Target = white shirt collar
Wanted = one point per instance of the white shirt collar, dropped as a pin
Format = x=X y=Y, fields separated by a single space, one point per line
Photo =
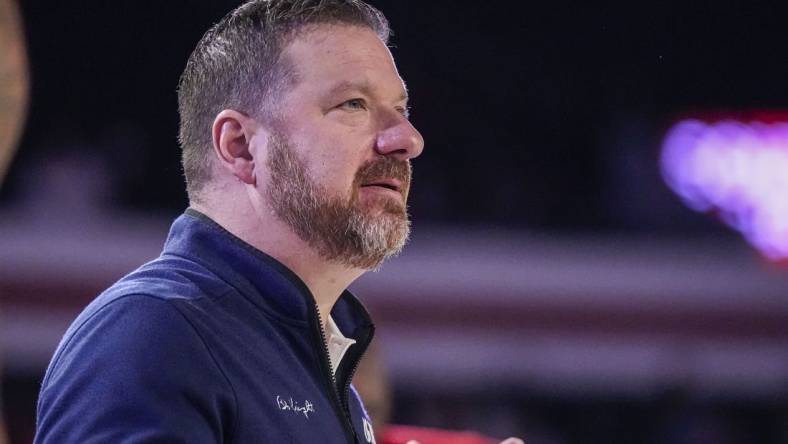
x=337 y=343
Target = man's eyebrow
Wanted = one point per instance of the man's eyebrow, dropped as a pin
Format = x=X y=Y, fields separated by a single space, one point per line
x=363 y=87
x=348 y=85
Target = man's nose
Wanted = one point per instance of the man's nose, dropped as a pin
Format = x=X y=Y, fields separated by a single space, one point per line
x=400 y=139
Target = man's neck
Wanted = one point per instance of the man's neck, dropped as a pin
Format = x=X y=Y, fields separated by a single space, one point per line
x=326 y=280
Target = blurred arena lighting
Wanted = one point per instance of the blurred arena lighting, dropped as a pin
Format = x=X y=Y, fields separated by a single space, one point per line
x=736 y=167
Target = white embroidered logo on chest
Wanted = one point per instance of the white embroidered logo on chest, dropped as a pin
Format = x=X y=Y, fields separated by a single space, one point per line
x=293 y=406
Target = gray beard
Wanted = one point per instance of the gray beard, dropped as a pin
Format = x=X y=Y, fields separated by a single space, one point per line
x=340 y=230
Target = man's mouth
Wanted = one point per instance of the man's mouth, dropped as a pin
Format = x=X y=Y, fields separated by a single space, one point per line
x=389 y=183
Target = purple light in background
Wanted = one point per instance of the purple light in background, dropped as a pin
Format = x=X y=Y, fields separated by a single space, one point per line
x=738 y=169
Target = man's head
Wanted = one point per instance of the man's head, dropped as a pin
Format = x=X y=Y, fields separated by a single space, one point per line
x=301 y=105
x=238 y=65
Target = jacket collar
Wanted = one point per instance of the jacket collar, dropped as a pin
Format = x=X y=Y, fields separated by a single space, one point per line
x=268 y=283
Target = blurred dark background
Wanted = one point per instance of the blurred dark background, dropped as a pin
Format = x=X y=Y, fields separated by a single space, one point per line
x=543 y=116
x=543 y=123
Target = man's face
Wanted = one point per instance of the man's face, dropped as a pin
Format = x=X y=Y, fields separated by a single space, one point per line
x=339 y=155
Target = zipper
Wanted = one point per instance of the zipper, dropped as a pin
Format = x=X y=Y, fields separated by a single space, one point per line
x=356 y=362
x=341 y=408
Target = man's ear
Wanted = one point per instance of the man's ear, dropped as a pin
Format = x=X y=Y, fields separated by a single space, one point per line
x=232 y=134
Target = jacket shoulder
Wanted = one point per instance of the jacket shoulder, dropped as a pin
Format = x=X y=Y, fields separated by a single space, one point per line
x=134 y=363
x=169 y=278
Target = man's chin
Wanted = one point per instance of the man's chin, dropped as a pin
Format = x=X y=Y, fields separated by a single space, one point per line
x=384 y=206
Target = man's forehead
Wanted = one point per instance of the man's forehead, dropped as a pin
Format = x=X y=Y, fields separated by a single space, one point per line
x=330 y=40
x=342 y=58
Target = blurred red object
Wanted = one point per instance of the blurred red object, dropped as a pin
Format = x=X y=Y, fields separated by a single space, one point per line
x=396 y=434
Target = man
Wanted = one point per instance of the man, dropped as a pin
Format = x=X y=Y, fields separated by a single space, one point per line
x=296 y=151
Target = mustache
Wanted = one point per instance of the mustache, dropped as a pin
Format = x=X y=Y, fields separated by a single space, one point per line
x=386 y=167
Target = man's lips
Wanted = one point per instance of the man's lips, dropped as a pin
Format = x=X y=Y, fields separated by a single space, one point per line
x=388 y=183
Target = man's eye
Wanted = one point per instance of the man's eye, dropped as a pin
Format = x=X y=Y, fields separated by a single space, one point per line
x=354 y=104
x=404 y=110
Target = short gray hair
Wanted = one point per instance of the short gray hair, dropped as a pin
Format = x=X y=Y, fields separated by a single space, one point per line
x=236 y=65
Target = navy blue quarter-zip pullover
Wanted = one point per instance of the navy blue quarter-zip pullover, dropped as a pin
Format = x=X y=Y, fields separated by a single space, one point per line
x=212 y=342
